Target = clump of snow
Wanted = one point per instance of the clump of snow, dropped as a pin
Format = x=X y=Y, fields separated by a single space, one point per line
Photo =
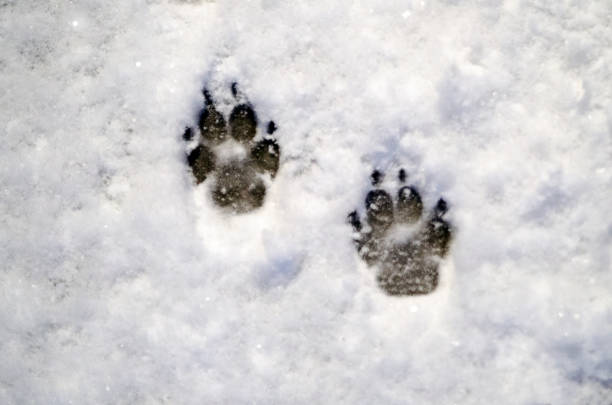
x=122 y=283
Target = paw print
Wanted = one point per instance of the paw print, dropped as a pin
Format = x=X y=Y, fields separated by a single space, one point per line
x=405 y=245
x=230 y=153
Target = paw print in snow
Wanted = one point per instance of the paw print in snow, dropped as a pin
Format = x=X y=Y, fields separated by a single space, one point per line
x=231 y=154
x=406 y=246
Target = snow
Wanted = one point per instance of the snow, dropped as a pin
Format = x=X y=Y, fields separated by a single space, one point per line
x=121 y=283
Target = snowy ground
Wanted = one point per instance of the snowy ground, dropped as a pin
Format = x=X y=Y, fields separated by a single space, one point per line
x=120 y=283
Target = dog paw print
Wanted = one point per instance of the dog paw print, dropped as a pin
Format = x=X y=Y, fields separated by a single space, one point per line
x=232 y=156
x=404 y=244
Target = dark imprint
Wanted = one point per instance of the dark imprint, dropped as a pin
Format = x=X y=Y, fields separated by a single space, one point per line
x=408 y=266
x=238 y=182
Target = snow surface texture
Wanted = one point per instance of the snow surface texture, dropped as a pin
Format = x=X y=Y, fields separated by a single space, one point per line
x=122 y=284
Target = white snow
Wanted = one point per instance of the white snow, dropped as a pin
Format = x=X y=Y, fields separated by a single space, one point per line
x=121 y=283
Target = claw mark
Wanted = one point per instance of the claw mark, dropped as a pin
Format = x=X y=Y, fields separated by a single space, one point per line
x=271 y=127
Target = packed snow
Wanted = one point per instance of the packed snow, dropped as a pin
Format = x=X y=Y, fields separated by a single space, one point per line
x=122 y=283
